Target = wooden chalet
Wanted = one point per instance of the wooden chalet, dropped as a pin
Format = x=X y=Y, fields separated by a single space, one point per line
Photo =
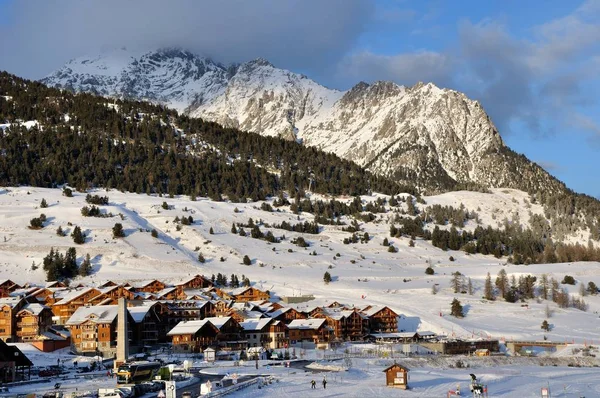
x=246 y=294
x=94 y=330
x=14 y=365
x=7 y=286
x=148 y=327
x=264 y=332
x=9 y=307
x=56 y=284
x=313 y=330
x=195 y=282
x=33 y=321
x=286 y=315
x=70 y=301
x=149 y=286
x=381 y=319
x=221 y=333
x=176 y=311
x=111 y=295
x=396 y=376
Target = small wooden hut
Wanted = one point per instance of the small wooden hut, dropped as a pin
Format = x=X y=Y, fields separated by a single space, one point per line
x=396 y=376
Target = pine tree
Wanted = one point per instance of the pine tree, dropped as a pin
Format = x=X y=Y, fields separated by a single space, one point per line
x=59 y=231
x=502 y=283
x=247 y=260
x=544 y=286
x=85 y=268
x=233 y=229
x=201 y=258
x=386 y=242
x=327 y=278
x=78 y=236
x=456 y=309
x=43 y=203
x=457 y=282
x=118 y=231
x=488 y=290
x=210 y=231
x=154 y=233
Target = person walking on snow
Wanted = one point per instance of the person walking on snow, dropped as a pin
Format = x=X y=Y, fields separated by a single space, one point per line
x=324 y=383
x=313 y=384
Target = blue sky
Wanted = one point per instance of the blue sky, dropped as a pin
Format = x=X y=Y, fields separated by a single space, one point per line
x=534 y=65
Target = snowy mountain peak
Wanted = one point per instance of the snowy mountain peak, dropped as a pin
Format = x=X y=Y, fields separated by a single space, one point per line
x=423 y=134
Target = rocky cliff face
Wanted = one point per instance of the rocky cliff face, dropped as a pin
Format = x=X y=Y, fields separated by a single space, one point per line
x=423 y=135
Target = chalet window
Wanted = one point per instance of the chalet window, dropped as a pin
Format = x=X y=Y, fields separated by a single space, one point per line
x=254 y=336
x=2 y=330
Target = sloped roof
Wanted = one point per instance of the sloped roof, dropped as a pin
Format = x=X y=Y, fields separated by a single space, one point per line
x=187 y=327
x=10 y=301
x=165 y=291
x=192 y=327
x=256 y=324
x=34 y=308
x=398 y=365
x=278 y=312
x=96 y=313
x=10 y=353
x=312 y=323
x=372 y=310
x=139 y=312
x=68 y=295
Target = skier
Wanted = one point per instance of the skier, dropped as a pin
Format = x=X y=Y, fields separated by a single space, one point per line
x=313 y=384
x=324 y=383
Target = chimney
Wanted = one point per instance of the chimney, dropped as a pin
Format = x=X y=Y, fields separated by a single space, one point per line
x=122 y=334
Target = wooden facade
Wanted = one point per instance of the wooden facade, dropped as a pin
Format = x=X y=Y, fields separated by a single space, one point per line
x=196 y=342
x=32 y=321
x=153 y=286
x=287 y=315
x=312 y=332
x=245 y=295
x=382 y=320
x=65 y=308
x=196 y=282
x=396 y=376
x=9 y=307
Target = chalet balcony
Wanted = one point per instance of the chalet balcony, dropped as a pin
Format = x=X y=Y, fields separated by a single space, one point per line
x=27 y=324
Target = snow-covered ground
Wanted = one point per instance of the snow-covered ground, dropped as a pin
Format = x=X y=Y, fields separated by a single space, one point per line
x=363 y=274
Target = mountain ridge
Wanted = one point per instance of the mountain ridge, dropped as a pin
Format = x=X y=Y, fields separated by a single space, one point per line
x=437 y=139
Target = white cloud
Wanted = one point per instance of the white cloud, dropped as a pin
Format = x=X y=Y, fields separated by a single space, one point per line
x=297 y=34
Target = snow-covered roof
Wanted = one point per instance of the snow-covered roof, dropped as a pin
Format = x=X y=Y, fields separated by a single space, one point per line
x=139 y=312
x=10 y=301
x=191 y=327
x=278 y=312
x=96 y=313
x=68 y=295
x=256 y=324
x=34 y=308
x=165 y=291
x=218 y=321
x=372 y=310
x=312 y=323
x=188 y=327
x=144 y=283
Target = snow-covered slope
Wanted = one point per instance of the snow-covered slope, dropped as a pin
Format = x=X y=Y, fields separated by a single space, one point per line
x=423 y=135
x=363 y=273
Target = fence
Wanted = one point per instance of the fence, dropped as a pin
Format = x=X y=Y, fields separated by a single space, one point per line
x=239 y=386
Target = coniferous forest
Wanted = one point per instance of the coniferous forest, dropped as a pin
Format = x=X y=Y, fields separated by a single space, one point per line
x=89 y=141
